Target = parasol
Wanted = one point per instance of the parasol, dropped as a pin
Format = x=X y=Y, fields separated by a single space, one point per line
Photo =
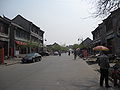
x=101 y=48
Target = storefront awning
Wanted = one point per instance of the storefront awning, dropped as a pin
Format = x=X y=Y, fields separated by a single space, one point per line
x=20 y=43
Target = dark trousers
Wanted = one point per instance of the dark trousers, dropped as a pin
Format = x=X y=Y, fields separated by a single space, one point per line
x=104 y=76
x=75 y=56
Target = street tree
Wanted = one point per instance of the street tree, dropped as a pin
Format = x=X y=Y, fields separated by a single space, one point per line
x=57 y=47
x=75 y=46
x=105 y=7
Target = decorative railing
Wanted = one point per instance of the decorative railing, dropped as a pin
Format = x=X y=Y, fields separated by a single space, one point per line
x=3 y=34
x=21 y=39
x=36 y=35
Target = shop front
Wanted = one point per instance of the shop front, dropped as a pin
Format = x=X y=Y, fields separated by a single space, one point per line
x=3 y=50
x=20 y=48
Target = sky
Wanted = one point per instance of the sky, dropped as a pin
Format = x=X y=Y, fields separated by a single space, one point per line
x=63 y=21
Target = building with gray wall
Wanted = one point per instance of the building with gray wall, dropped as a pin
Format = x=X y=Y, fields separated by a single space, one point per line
x=20 y=36
x=108 y=33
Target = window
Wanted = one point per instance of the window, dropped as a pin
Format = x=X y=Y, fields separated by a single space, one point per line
x=3 y=28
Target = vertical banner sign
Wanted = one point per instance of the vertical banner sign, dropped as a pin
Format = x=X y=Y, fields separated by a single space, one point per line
x=2 y=55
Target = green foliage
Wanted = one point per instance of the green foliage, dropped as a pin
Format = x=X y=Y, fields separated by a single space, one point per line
x=75 y=46
x=33 y=44
x=82 y=46
x=63 y=48
x=57 y=47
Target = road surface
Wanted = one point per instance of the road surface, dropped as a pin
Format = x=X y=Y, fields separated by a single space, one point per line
x=52 y=73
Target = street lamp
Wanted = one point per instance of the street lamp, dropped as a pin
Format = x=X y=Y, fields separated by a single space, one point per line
x=80 y=40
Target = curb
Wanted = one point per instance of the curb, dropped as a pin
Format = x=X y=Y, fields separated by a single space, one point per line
x=8 y=64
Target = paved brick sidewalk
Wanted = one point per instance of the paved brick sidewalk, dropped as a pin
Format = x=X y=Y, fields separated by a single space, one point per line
x=14 y=60
x=11 y=61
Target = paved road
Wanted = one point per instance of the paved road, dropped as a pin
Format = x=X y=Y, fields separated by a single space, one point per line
x=52 y=73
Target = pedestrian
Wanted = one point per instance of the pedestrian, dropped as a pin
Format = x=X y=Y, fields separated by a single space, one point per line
x=59 y=52
x=103 y=62
x=75 y=54
x=69 y=53
x=85 y=54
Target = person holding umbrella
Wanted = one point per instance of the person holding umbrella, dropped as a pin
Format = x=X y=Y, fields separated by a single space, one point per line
x=103 y=62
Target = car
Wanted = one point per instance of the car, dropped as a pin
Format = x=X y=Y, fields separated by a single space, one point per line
x=56 y=53
x=31 y=57
x=44 y=53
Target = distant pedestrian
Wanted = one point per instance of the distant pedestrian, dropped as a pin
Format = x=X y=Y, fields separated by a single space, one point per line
x=75 y=54
x=69 y=53
x=103 y=62
x=59 y=52
x=85 y=54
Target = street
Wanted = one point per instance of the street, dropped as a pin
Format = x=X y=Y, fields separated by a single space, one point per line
x=52 y=73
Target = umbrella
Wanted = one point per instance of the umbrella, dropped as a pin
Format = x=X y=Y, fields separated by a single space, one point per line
x=101 y=48
x=77 y=49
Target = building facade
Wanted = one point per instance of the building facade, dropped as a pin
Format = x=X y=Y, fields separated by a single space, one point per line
x=4 y=35
x=108 y=33
x=33 y=36
x=87 y=44
x=19 y=36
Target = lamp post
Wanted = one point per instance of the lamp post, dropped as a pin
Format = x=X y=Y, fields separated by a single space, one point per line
x=44 y=45
x=80 y=40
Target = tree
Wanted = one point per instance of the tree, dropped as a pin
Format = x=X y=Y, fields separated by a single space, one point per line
x=56 y=47
x=104 y=7
x=75 y=46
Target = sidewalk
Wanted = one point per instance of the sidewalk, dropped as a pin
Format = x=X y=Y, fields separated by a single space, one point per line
x=14 y=60
x=92 y=62
x=11 y=61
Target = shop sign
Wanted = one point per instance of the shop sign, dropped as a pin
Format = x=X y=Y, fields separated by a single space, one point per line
x=20 y=43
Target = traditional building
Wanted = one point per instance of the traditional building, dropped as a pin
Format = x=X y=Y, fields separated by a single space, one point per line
x=34 y=35
x=87 y=44
x=4 y=35
x=108 y=33
x=19 y=36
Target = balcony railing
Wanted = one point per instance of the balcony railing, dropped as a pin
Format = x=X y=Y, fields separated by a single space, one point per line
x=36 y=35
x=21 y=39
x=4 y=35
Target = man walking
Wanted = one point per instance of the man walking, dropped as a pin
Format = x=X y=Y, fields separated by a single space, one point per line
x=75 y=54
x=103 y=62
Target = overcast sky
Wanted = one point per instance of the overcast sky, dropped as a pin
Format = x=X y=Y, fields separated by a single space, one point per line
x=64 y=21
